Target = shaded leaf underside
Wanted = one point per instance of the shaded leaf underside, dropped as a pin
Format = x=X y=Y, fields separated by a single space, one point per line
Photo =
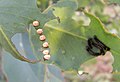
x=26 y=72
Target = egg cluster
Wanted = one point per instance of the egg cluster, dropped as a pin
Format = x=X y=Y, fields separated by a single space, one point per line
x=42 y=38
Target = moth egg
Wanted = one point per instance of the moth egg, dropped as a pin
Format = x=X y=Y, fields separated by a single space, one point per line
x=42 y=37
x=36 y=23
x=46 y=52
x=45 y=44
x=46 y=57
x=39 y=31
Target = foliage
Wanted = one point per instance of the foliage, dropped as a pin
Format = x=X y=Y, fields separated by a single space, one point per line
x=67 y=37
x=16 y=18
x=114 y=1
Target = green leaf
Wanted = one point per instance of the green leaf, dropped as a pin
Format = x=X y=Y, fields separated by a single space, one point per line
x=114 y=1
x=42 y=4
x=67 y=40
x=3 y=77
x=25 y=72
x=111 y=40
x=15 y=17
x=9 y=46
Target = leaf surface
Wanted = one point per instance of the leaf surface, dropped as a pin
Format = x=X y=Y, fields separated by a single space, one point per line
x=27 y=72
x=15 y=17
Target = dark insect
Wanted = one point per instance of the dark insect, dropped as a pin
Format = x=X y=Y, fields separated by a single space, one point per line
x=95 y=42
